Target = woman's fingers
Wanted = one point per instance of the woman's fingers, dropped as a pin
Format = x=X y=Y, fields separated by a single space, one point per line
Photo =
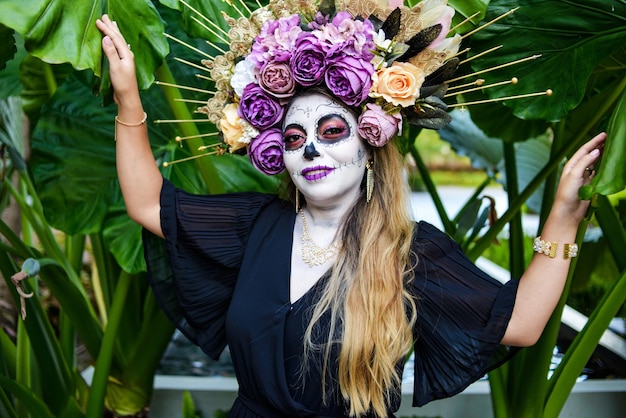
x=113 y=40
x=583 y=153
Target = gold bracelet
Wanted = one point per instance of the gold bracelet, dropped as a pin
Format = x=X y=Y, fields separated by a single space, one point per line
x=570 y=251
x=145 y=118
x=545 y=247
x=549 y=248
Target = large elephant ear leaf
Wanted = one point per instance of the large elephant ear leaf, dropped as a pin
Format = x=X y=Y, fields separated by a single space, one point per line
x=73 y=154
x=468 y=140
x=571 y=39
x=611 y=176
x=59 y=31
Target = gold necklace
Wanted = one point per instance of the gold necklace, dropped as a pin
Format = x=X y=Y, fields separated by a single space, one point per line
x=313 y=255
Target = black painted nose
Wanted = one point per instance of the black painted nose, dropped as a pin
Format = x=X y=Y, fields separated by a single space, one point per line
x=310 y=152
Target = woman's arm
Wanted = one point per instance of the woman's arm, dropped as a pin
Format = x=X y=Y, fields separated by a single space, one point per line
x=137 y=171
x=541 y=285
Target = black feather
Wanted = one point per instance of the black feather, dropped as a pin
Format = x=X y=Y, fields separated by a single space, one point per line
x=420 y=41
x=391 y=27
x=429 y=117
x=443 y=73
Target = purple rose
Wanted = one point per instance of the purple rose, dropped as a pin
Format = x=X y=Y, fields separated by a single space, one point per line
x=276 y=79
x=350 y=79
x=260 y=110
x=377 y=126
x=266 y=152
x=308 y=60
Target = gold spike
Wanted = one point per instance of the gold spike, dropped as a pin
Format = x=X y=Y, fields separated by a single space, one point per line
x=514 y=80
x=215 y=25
x=205 y=147
x=495 y=48
x=191 y=64
x=161 y=83
x=463 y=22
x=204 y=77
x=204 y=135
x=195 y=19
x=231 y=4
x=499 y=99
x=202 y=102
x=188 y=46
x=503 y=15
x=180 y=120
x=497 y=67
x=193 y=157
x=477 y=82
x=460 y=52
x=245 y=6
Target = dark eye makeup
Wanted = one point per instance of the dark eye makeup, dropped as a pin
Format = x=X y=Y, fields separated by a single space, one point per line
x=331 y=129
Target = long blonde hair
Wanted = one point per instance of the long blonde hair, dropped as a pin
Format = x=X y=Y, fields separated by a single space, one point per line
x=371 y=311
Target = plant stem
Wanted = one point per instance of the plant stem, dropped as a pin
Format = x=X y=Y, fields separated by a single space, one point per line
x=95 y=404
x=516 y=233
x=432 y=191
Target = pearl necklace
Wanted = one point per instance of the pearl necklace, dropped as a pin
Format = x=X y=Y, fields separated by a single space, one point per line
x=313 y=255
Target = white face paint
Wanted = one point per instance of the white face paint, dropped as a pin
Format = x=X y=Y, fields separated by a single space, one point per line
x=323 y=153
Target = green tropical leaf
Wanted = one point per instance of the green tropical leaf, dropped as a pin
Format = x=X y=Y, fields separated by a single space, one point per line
x=51 y=365
x=123 y=237
x=467 y=8
x=611 y=176
x=532 y=156
x=73 y=159
x=65 y=31
x=572 y=38
x=467 y=139
x=205 y=26
x=39 y=81
x=28 y=398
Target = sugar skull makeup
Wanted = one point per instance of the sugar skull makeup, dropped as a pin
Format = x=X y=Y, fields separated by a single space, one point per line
x=323 y=152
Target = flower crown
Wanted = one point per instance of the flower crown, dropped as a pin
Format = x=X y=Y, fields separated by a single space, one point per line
x=391 y=62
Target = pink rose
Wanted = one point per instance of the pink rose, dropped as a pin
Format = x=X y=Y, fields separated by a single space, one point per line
x=399 y=84
x=276 y=79
x=377 y=126
x=266 y=152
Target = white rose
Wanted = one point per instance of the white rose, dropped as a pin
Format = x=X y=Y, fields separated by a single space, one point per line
x=244 y=75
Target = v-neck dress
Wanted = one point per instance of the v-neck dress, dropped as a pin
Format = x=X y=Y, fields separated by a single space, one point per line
x=222 y=276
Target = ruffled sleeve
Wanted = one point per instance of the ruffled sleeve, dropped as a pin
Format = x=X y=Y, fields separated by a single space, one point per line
x=194 y=270
x=462 y=316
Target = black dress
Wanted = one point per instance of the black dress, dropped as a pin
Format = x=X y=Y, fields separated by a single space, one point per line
x=222 y=276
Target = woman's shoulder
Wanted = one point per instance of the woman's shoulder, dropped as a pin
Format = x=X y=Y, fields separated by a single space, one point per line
x=240 y=199
x=431 y=242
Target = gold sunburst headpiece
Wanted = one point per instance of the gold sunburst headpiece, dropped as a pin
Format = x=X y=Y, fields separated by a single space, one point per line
x=392 y=62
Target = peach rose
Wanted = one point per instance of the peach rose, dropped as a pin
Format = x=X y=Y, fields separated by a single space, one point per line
x=399 y=84
x=232 y=128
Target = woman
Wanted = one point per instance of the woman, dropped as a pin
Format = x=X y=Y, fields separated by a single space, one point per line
x=321 y=304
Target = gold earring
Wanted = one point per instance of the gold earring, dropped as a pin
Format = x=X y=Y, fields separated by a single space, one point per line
x=297 y=200
x=369 y=180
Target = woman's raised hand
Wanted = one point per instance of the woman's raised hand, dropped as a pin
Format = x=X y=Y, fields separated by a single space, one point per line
x=121 y=62
x=577 y=172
